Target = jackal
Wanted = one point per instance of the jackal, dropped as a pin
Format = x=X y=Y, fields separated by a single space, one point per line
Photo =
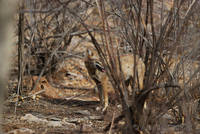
x=97 y=73
x=94 y=69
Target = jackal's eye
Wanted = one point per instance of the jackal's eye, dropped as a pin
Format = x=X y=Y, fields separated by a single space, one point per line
x=99 y=66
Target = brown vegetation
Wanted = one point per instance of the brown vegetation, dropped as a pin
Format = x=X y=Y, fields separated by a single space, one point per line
x=152 y=44
x=98 y=74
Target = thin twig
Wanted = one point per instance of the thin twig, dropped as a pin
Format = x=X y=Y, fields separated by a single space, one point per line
x=112 y=122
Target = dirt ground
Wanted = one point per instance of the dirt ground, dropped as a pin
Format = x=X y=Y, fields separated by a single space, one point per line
x=65 y=102
x=56 y=110
x=55 y=116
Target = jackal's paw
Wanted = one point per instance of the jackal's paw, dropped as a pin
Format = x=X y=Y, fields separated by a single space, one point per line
x=104 y=109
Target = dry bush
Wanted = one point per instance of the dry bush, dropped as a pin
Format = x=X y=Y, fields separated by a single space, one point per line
x=167 y=41
x=163 y=33
x=48 y=31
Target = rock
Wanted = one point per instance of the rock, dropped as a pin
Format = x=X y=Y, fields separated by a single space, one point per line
x=54 y=124
x=32 y=118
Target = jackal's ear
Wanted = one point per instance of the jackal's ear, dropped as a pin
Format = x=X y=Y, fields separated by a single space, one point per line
x=99 y=66
x=88 y=53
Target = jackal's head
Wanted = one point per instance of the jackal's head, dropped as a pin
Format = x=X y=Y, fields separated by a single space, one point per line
x=91 y=54
x=93 y=59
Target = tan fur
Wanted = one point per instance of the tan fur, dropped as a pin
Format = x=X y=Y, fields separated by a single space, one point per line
x=127 y=62
x=105 y=88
